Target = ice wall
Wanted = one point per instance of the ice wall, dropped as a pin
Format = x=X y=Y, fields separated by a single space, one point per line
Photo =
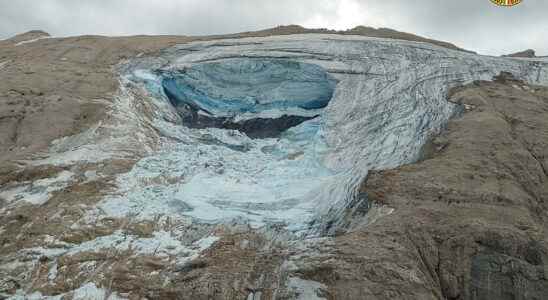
x=259 y=97
x=243 y=87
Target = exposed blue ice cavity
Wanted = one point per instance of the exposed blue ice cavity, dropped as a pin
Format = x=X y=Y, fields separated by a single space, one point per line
x=245 y=85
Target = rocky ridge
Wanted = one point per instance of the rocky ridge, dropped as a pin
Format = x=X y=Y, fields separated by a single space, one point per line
x=529 y=53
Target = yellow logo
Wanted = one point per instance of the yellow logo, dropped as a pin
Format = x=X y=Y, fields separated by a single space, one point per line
x=506 y=2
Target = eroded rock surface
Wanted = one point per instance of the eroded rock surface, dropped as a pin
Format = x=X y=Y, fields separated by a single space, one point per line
x=529 y=53
x=470 y=219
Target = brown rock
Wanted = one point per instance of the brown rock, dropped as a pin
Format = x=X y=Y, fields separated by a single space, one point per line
x=529 y=53
x=469 y=220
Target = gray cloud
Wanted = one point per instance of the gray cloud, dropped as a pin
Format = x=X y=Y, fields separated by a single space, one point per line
x=473 y=24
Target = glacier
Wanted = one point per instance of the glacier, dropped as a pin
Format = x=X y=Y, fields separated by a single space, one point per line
x=339 y=105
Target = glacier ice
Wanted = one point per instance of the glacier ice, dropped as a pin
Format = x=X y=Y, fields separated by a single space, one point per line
x=259 y=97
x=377 y=102
x=237 y=86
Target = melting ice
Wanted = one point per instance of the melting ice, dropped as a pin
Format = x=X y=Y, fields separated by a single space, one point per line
x=339 y=106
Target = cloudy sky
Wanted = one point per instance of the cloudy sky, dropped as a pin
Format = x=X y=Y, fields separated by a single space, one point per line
x=473 y=24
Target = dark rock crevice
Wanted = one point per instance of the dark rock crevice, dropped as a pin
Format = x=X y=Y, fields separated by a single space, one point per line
x=254 y=128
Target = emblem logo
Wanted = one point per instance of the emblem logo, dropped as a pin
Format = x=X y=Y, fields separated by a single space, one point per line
x=506 y=2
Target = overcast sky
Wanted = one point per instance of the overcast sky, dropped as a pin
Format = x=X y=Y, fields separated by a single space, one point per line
x=473 y=24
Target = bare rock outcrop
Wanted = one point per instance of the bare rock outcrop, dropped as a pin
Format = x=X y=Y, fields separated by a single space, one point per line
x=32 y=35
x=529 y=53
x=358 y=30
x=470 y=219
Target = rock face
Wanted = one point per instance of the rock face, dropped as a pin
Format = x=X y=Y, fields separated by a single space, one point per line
x=529 y=53
x=358 y=30
x=472 y=214
x=28 y=37
x=311 y=166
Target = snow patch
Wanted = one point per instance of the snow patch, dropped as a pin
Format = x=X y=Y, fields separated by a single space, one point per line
x=306 y=289
x=52 y=274
x=3 y=64
x=162 y=244
x=32 y=40
x=88 y=291
x=39 y=191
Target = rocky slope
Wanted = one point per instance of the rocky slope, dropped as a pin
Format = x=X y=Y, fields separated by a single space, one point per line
x=470 y=219
x=361 y=168
x=529 y=53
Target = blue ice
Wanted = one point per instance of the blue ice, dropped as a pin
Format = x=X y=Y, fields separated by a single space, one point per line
x=236 y=86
